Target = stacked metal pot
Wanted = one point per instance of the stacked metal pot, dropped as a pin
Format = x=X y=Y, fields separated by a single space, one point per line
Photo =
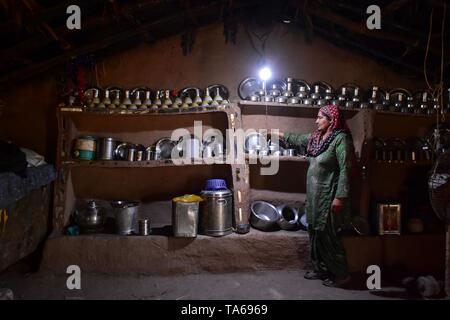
x=109 y=148
x=114 y=99
x=348 y=96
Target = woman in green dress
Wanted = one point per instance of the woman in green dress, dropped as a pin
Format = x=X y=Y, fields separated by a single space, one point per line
x=327 y=206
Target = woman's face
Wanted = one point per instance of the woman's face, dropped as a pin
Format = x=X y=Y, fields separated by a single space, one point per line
x=322 y=122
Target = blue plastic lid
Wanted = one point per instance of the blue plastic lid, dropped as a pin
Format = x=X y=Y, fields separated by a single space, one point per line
x=215 y=184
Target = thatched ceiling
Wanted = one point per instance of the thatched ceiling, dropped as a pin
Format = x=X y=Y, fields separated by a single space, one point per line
x=35 y=36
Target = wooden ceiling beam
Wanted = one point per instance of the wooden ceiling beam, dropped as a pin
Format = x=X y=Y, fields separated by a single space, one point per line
x=393 y=6
x=89 y=23
x=361 y=29
x=398 y=62
x=49 y=14
x=103 y=43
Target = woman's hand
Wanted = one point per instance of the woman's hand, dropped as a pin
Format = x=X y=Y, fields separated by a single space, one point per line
x=336 y=205
x=280 y=135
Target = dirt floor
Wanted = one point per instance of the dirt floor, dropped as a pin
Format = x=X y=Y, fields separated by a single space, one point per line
x=264 y=285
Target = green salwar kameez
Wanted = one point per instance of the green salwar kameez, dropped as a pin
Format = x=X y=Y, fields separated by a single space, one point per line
x=327 y=178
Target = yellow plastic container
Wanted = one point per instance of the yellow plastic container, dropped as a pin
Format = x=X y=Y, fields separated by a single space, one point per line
x=185 y=211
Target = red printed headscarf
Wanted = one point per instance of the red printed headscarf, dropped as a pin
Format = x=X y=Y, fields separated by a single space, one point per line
x=315 y=144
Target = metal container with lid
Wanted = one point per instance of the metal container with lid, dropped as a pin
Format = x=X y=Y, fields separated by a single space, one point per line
x=185 y=215
x=216 y=214
x=105 y=148
x=85 y=147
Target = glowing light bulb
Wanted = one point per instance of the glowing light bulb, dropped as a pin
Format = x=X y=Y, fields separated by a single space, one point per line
x=265 y=73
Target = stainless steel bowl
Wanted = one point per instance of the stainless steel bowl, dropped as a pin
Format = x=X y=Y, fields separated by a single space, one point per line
x=288 y=217
x=264 y=216
x=255 y=98
x=281 y=99
x=164 y=148
x=293 y=100
x=360 y=225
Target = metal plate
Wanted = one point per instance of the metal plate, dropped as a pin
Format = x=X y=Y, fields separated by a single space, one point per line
x=115 y=92
x=297 y=83
x=247 y=87
x=381 y=94
x=399 y=91
x=418 y=96
x=323 y=86
x=279 y=84
x=191 y=92
x=134 y=91
x=89 y=92
x=350 y=89
x=223 y=91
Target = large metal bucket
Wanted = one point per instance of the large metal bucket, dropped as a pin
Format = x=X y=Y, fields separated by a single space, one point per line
x=125 y=214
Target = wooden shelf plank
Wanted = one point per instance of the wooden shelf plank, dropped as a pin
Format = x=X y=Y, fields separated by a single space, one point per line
x=135 y=164
x=273 y=158
x=396 y=164
x=148 y=112
x=302 y=110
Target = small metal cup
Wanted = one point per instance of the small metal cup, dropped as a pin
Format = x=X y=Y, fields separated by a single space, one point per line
x=290 y=152
x=131 y=154
x=139 y=155
x=144 y=227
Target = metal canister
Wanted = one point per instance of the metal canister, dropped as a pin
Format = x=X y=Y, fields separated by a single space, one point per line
x=216 y=214
x=144 y=227
x=131 y=155
x=125 y=214
x=185 y=210
x=150 y=153
x=85 y=147
x=105 y=148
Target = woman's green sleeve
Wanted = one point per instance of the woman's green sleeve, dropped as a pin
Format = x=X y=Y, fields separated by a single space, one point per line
x=299 y=140
x=344 y=151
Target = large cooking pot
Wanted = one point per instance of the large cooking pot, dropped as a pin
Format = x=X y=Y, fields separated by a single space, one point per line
x=216 y=215
x=264 y=215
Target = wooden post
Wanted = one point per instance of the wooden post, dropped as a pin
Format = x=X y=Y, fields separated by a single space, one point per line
x=447 y=261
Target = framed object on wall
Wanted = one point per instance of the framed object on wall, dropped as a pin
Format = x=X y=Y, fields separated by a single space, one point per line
x=389 y=218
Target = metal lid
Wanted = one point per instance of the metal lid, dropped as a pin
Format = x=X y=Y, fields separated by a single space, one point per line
x=123 y=204
x=216 y=193
x=188 y=198
x=87 y=137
